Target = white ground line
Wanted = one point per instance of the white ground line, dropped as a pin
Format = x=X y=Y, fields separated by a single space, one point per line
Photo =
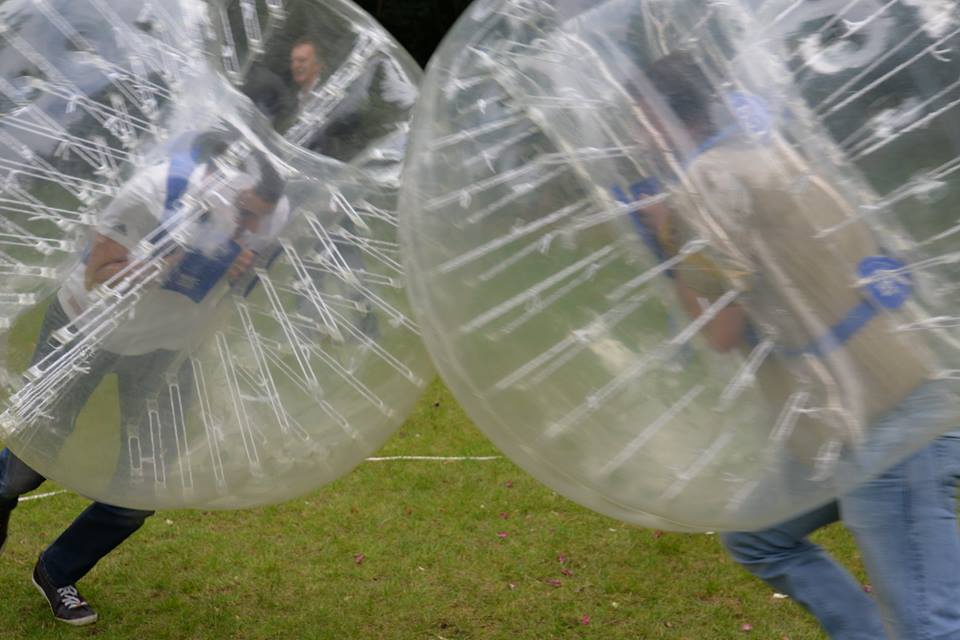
x=50 y=494
x=39 y=496
x=437 y=458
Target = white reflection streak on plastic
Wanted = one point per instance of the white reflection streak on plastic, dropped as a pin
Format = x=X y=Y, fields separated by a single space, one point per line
x=307 y=288
x=373 y=346
x=316 y=395
x=156 y=445
x=180 y=436
x=280 y=315
x=535 y=291
x=928 y=324
x=566 y=349
x=747 y=374
x=641 y=367
x=340 y=201
x=379 y=249
x=330 y=248
x=647 y=433
x=266 y=378
x=824 y=108
x=518 y=191
x=690 y=248
x=542 y=304
x=514 y=234
x=240 y=411
x=857 y=26
x=295 y=427
x=701 y=463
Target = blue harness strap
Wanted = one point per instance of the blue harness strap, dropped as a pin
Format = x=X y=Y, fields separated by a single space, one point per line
x=888 y=287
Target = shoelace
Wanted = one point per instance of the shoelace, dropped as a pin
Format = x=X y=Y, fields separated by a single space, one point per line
x=71 y=597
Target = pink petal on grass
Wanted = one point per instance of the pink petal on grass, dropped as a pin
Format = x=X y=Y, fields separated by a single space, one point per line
x=658 y=534
x=554 y=583
x=585 y=620
x=508 y=484
x=504 y=515
x=359 y=558
x=566 y=572
x=562 y=559
x=502 y=534
x=868 y=588
x=746 y=626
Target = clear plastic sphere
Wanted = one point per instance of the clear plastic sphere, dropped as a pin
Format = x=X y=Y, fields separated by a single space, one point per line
x=197 y=311
x=693 y=265
x=327 y=75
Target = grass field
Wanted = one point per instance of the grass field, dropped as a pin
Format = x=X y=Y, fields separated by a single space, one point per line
x=405 y=549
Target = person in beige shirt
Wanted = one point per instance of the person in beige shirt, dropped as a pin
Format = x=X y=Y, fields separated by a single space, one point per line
x=830 y=304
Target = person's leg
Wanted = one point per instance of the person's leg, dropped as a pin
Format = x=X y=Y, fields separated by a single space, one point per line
x=102 y=527
x=95 y=533
x=784 y=558
x=16 y=478
x=906 y=527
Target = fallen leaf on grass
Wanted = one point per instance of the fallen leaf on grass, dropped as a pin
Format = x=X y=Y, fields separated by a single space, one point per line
x=504 y=515
x=868 y=588
x=554 y=583
x=508 y=484
x=566 y=572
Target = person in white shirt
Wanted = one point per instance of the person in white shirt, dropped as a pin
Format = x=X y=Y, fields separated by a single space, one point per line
x=245 y=210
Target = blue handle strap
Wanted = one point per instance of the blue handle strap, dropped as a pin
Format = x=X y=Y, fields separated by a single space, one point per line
x=889 y=286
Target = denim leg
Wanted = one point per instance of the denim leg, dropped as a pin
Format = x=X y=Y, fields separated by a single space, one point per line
x=16 y=479
x=784 y=558
x=906 y=527
x=95 y=533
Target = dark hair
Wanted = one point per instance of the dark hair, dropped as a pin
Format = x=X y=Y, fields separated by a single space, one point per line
x=684 y=86
x=270 y=186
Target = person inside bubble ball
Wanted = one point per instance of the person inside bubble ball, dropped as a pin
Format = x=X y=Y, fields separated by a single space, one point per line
x=143 y=349
x=305 y=68
x=760 y=205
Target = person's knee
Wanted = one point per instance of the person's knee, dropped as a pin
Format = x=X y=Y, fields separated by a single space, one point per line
x=16 y=478
x=746 y=548
x=129 y=517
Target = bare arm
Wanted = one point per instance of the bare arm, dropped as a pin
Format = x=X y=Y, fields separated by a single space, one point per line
x=727 y=330
x=107 y=258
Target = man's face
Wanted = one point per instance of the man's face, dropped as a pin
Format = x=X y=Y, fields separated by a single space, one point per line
x=252 y=210
x=304 y=66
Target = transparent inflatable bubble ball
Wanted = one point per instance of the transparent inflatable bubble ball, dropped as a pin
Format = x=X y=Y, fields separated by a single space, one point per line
x=693 y=265
x=198 y=309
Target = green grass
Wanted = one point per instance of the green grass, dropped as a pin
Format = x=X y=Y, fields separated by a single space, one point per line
x=434 y=565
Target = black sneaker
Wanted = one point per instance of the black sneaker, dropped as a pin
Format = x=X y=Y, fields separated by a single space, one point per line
x=66 y=602
x=4 y=521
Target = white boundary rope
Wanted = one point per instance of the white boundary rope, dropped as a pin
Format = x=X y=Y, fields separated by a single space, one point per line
x=437 y=458
x=39 y=496
x=50 y=494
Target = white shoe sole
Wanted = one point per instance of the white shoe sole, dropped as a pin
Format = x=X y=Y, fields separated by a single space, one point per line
x=79 y=622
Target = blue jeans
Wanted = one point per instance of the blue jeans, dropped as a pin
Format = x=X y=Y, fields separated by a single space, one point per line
x=101 y=527
x=905 y=525
x=95 y=533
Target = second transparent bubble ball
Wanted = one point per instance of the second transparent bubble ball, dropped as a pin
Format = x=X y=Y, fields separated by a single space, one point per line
x=693 y=266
